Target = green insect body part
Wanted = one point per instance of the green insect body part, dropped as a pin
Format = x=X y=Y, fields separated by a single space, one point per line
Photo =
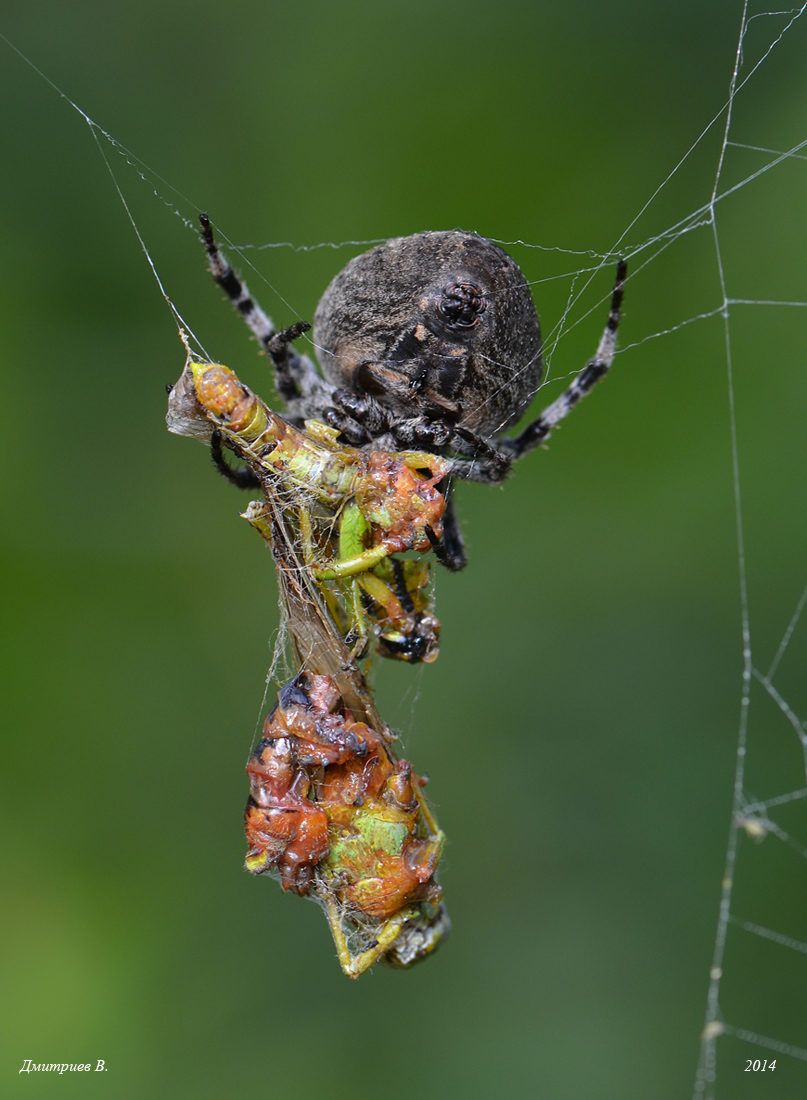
x=354 y=532
x=351 y=510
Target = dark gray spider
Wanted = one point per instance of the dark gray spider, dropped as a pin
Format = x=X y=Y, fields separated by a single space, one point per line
x=429 y=342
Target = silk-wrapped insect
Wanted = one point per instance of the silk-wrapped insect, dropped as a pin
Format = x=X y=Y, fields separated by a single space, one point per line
x=333 y=812
x=351 y=510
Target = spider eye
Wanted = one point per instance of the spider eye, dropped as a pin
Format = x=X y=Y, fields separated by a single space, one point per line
x=462 y=305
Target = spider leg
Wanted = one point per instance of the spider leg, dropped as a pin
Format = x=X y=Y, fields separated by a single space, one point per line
x=537 y=432
x=295 y=375
x=234 y=288
x=362 y=410
x=494 y=461
x=486 y=462
x=450 y=549
x=240 y=476
x=350 y=429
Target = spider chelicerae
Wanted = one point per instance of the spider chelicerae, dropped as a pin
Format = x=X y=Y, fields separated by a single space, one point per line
x=429 y=342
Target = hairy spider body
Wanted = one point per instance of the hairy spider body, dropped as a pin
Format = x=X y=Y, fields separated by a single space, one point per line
x=435 y=328
x=429 y=342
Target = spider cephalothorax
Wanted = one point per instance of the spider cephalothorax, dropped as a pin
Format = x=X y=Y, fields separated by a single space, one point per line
x=428 y=343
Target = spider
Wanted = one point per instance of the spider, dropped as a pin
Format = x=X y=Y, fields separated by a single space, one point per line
x=429 y=342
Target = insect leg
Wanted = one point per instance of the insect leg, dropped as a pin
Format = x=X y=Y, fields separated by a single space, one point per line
x=355 y=965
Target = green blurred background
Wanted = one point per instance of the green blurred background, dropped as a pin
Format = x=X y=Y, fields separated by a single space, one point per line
x=580 y=725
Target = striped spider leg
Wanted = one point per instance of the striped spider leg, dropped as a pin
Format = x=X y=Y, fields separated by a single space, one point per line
x=428 y=343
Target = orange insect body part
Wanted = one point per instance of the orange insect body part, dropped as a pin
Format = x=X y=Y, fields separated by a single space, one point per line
x=401 y=503
x=331 y=809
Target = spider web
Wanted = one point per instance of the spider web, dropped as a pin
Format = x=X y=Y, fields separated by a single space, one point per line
x=756 y=818
x=769 y=708
x=768 y=803
x=753 y=819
